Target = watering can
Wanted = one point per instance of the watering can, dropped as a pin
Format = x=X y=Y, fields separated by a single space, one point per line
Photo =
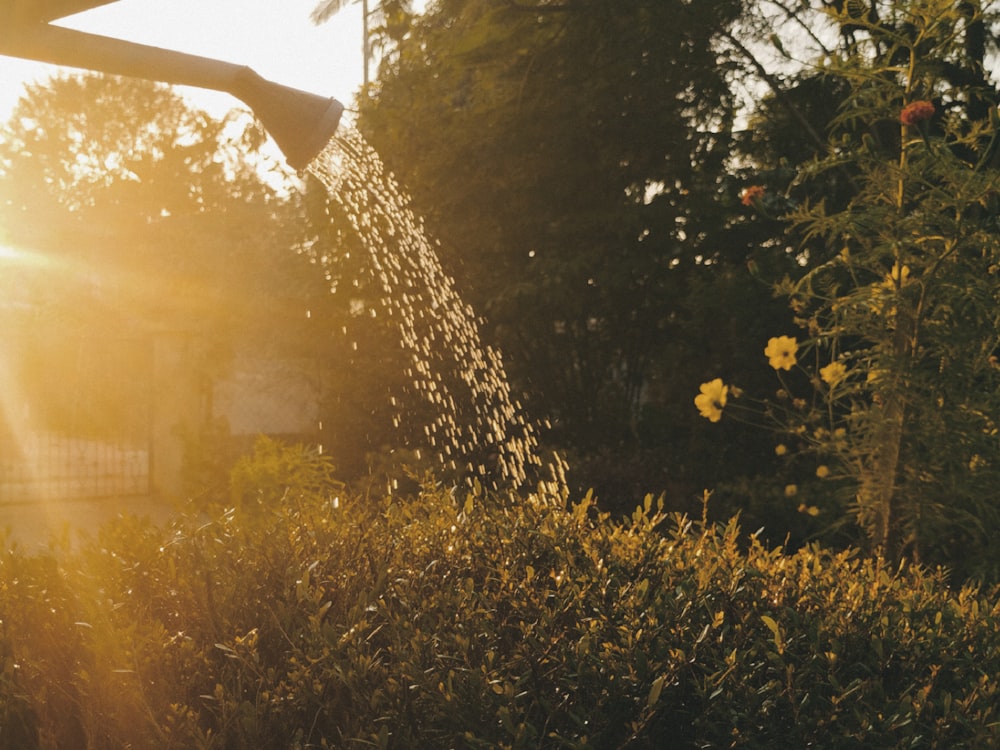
x=300 y=123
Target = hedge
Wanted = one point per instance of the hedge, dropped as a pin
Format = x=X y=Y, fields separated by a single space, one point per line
x=310 y=618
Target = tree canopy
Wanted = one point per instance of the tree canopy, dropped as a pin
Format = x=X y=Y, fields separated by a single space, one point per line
x=573 y=159
x=618 y=186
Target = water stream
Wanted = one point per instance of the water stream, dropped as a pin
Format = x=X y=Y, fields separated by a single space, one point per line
x=462 y=380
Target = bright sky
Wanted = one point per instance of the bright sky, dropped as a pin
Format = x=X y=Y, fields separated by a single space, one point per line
x=274 y=37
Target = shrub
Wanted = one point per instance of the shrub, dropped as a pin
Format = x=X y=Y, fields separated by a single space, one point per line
x=470 y=621
x=892 y=387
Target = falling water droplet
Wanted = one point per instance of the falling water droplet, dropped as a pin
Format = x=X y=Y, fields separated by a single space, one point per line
x=460 y=379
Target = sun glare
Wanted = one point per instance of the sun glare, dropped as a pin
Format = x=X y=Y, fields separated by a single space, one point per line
x=15 y=257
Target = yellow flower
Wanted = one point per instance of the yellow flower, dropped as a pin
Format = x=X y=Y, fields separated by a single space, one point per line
x=780 y=449
x=712 y=399
x=811 y=510
x=833 y=373
x=823 y=471
x=791 y=490
x=780 y=352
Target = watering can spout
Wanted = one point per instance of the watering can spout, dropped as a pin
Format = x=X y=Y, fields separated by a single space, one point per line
x=301 y=123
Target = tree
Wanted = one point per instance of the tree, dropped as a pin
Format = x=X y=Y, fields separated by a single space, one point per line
x=386 y=21
x=121 y=177
x=573 y=160
x=149 y=219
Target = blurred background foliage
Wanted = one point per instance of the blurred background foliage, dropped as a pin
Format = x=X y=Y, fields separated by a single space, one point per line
x=581 y=163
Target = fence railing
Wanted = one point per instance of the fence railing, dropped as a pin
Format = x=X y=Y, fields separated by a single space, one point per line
x=46 y=465
x=74 y=412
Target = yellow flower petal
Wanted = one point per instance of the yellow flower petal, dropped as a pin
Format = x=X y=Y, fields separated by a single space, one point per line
x=712 y=399
x=833 y=373
x=780 y=352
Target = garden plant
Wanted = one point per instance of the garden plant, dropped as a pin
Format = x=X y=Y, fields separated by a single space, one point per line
x=890 y=390
x=466 y=620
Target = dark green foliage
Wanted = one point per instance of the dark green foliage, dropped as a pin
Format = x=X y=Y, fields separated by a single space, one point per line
x=900 y=286
x=328 y=621
x=573 y=160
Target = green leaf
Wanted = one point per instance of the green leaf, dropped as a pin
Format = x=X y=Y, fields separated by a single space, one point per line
x=775 y=631
x=654 y=691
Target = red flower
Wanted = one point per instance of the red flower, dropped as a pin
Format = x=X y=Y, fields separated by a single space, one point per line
x=915 y=112
x=752 y=194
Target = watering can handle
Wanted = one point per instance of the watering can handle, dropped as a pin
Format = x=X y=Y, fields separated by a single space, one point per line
x=25 y=11
x=78 y=49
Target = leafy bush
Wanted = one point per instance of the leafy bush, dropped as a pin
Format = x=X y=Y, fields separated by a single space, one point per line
x=896 y=303
x=467 y=622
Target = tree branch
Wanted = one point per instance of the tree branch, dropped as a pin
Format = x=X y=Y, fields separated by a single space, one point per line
x=560 y=8
x=775 y=85
x=797 y=19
